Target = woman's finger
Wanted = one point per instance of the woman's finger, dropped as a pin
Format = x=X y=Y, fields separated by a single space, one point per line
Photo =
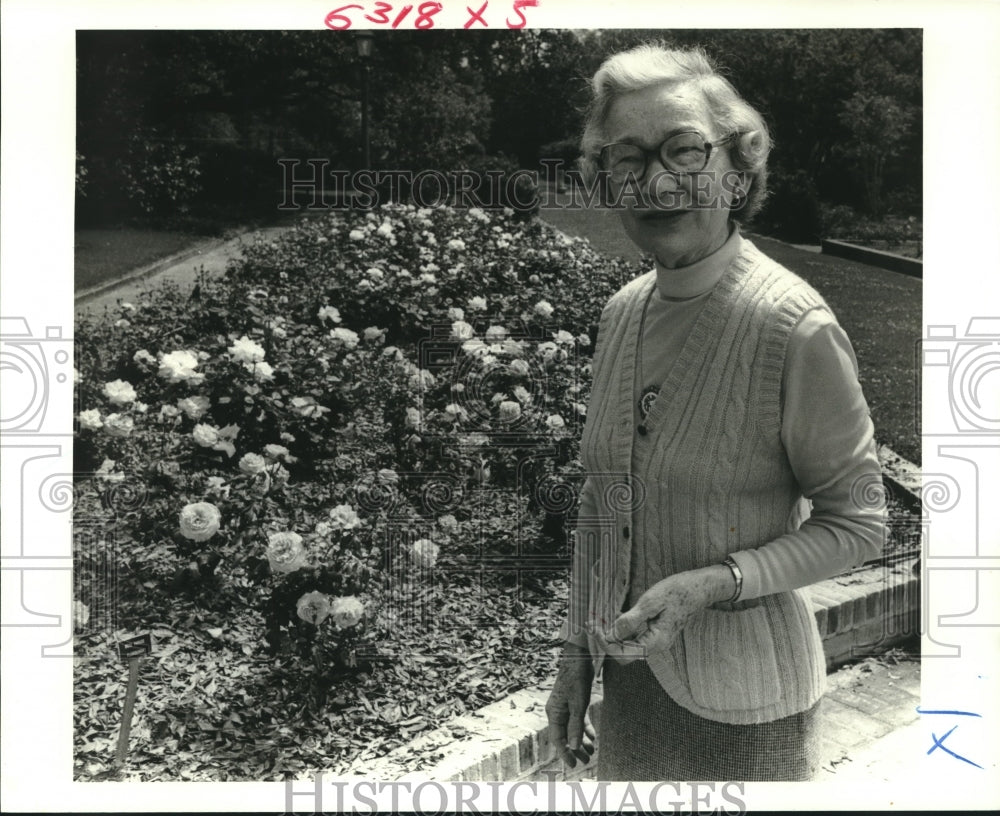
x=575 y=731
x=627 y=625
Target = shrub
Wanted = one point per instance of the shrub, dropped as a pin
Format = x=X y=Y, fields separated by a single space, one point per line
x=158 y=175
x=288 y=430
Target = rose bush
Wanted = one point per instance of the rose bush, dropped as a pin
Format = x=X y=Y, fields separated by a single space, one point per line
x=278 y=430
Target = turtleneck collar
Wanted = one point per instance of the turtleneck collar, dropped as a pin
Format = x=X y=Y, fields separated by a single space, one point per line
x=687 y=282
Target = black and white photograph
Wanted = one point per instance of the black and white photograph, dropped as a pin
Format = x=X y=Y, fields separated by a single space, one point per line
x=460 y=406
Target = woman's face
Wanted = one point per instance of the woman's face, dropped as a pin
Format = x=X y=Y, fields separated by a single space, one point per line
x=691 y=219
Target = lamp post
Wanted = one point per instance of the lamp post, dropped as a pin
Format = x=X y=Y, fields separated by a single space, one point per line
x=364 y=42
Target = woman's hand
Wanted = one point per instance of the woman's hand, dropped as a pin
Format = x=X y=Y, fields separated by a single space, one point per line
x=566 y=709
x=663 y=610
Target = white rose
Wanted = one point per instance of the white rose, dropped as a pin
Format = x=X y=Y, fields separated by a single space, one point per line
x=425 y=553
x=347 y=611
x=252 y=464
x=457 y=244
x=475 y=347
x=118 y=425
x=217 y=485
x=454 y=313
x=509 y=410
x=276 y=451
x=119 y=392
x=331 y=313
x=90 y=420
x=544 y=309
x=200 y=521
x=421 y=379
x=564 y=337
x=179 y=366
x=494 y=334
x=285 y=552
x=246 y=350
x=412 y=418
x=477 y=304
x=343 y=517
x=346 y=337
x=548 y=350
x=356 y=235
x=520 y=367
x=81 y=615
x=308 y=407
x=313 y=607
x=373 y=333
x=205 y=435
x=522 y=394
x=456 y=413
x=194 y=407
x=460 y=330
x=555 y=422
x=262 y=371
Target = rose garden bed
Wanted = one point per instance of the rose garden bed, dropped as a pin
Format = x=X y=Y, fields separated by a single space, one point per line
x=334 y=486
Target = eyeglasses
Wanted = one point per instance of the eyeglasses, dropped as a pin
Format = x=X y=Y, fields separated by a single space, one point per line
x=686 y=152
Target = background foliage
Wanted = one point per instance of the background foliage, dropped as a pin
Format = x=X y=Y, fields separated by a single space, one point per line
x=844 y=106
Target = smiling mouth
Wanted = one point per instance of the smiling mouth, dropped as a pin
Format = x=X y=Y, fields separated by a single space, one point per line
x=661 y=215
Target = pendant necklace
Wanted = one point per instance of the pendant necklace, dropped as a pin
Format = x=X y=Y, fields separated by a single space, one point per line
x=648 y=393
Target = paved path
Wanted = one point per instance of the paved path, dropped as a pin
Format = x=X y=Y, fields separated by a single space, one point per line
x=183 y=268
x=871 y=726
x=866 y=708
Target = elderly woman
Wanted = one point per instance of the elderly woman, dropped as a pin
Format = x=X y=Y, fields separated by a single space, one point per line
x=729 y=454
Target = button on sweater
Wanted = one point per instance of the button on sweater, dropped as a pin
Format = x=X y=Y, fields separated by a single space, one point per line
x=759 y=411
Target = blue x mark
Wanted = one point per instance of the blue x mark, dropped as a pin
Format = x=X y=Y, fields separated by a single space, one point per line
x=939 y=743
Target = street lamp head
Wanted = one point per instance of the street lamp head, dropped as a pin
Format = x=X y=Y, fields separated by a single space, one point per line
x=364 y=41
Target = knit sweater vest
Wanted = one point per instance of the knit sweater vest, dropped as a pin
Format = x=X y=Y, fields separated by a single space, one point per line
x=703 y=476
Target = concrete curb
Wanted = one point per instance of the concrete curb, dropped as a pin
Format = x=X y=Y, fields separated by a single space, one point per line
x=859 y=614
x=80 y=298
x=875 y=257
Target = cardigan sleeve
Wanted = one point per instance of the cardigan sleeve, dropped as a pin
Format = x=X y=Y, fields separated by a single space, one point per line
x=829 y=439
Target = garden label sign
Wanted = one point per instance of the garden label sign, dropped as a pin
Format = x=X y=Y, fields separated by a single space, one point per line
x=131 y=650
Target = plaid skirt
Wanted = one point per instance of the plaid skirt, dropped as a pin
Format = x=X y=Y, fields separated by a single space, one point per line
x=645 y=736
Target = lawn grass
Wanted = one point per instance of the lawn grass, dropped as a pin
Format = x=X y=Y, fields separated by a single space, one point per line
x=879 y=310
x=103 y=255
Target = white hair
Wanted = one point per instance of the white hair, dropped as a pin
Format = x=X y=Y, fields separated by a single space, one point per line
x=655 y=64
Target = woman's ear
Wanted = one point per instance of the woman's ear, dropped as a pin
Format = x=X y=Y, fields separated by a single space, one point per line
x=748 y=146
